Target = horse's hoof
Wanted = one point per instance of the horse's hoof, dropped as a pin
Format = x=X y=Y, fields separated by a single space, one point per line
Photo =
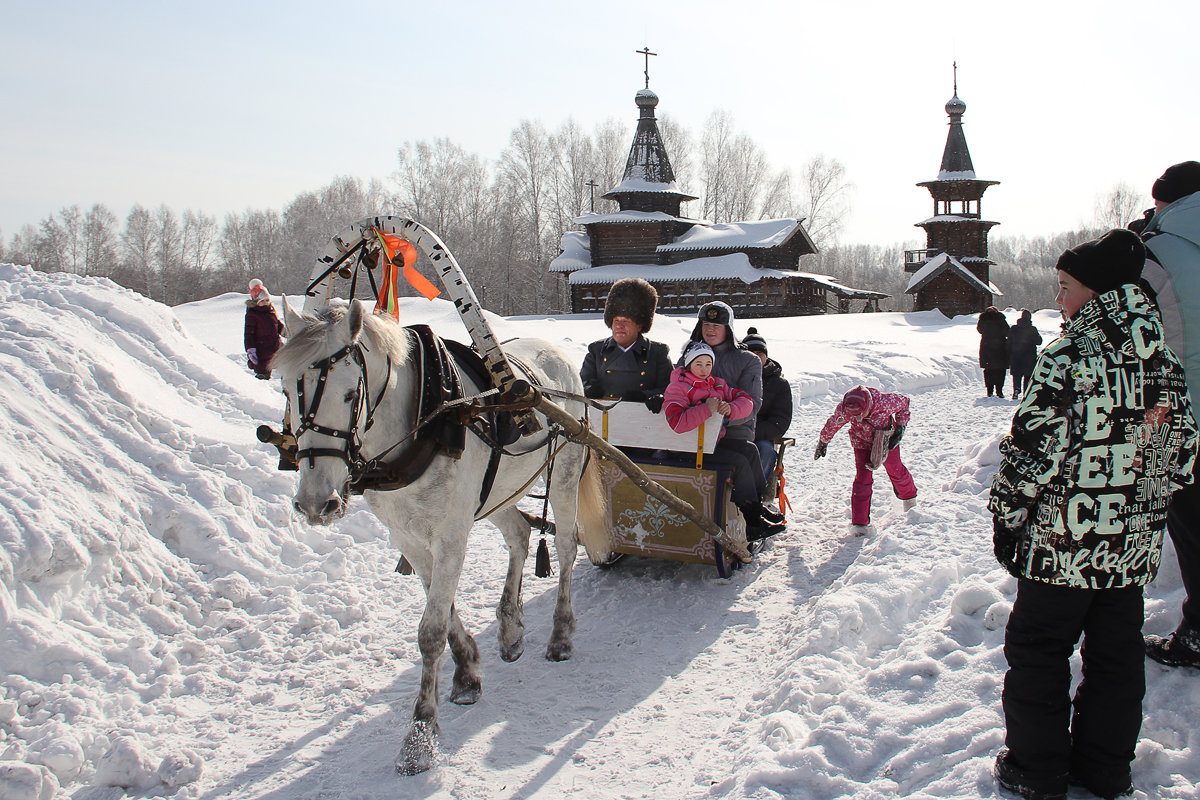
x=558 y=651
x=513 y=651
x=419 y=751
x=466 y=695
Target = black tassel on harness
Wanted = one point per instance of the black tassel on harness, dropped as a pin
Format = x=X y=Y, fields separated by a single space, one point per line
x=541 y=564
x=404 y=568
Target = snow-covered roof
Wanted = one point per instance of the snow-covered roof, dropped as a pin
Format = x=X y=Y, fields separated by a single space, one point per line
x=841 y=289
x=955 y=218
x=628 y=216
x=576 y=252
x=645 y=186
x=735 y=235
x=964 y=175
x=940 y=263
x=735 y=266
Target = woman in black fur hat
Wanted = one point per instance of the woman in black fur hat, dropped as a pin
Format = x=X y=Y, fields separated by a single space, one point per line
x=627 y=365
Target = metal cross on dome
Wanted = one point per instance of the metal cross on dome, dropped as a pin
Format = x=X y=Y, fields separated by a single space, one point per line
x=645 y=51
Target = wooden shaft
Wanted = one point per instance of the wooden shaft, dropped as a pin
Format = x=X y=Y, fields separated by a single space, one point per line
x=577 y=431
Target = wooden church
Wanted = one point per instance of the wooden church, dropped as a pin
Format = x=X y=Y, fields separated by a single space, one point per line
x=753 y=266
x=951 y=273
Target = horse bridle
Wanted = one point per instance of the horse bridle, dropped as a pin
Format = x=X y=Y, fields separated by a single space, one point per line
x=351 y=454
x=360 y=468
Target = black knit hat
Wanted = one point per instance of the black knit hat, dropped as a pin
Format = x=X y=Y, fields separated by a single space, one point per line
x=634 y=298
x=1178 y=181
x=754 y=342
x=1103 y=264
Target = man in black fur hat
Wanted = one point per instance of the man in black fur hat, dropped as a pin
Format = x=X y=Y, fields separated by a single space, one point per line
x=627 y=365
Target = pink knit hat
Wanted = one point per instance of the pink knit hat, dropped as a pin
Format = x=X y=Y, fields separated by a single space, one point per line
x=857 y=402
x=259 y=293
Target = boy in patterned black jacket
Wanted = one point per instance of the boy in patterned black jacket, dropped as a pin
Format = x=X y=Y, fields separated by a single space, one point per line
x=1101 y=439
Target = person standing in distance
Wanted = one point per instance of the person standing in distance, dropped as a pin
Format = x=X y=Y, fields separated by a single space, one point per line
x=263 y=330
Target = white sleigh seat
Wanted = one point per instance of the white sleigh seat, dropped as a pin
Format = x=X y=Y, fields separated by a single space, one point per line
x=631 y=424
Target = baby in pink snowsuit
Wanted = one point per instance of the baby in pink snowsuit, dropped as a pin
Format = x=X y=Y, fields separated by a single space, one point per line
x=695 y=395
x=868 y=410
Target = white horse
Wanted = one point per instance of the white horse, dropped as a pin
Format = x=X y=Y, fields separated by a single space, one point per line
x=350 y=378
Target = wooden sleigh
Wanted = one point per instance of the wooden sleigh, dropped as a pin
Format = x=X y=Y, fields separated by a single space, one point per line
x=640 y=524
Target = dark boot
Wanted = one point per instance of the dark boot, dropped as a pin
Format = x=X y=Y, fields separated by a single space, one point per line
x=756 y=527
x=1123 y=787
x=773 y=517
x=1180 y=649
x=1031 y=786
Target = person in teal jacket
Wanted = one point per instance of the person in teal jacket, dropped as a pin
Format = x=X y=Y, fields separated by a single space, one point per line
x=1172 y=237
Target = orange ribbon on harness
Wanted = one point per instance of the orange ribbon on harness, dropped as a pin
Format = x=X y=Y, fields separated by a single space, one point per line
x=393 y=247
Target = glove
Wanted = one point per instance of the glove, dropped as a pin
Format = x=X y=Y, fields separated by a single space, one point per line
x=1005 y=543
x=252 y=357
x=822 y=447
x=896 y=437
x=654 y=403
x=592 y=391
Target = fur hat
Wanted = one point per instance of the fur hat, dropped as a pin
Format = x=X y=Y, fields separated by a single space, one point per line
x=857 y=402
x=1103 y=264
x=754 y=342
x=634 y=298
x=717 y=312
x=697 y=349
x=1178 y=181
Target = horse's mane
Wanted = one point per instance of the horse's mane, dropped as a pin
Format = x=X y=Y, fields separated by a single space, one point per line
x=314 y=341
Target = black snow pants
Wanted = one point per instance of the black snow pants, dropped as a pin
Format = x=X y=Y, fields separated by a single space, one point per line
x=993 y=381
x=1183 y=524
x=1097 y=741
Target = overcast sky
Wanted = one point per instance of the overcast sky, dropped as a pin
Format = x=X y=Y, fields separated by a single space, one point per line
x=222 y=106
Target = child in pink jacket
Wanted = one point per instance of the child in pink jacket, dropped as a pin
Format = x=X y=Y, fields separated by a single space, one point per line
x=869 y=410
x=695 y=395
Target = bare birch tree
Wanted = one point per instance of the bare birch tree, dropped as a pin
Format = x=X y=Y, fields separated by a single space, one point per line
x=715 y=171
x=100 y=239
x=138 y=244
x=612 y=150
x=168 y=255
x=827 y=198
x=1120 y=206
x=526 y=170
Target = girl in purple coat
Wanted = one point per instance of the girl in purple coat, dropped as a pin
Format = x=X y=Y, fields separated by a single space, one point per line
x=693 y=396
x=869 y=410
x=263 y=330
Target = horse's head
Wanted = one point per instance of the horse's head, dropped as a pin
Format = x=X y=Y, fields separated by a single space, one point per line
x=324 y=375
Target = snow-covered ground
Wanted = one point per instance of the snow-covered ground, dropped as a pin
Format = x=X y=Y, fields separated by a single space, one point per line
x=168 y=625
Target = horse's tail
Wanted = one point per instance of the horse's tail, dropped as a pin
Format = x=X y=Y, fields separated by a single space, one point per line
x=592 y=515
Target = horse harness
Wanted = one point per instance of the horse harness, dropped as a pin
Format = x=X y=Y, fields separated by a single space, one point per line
x=443 y=413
